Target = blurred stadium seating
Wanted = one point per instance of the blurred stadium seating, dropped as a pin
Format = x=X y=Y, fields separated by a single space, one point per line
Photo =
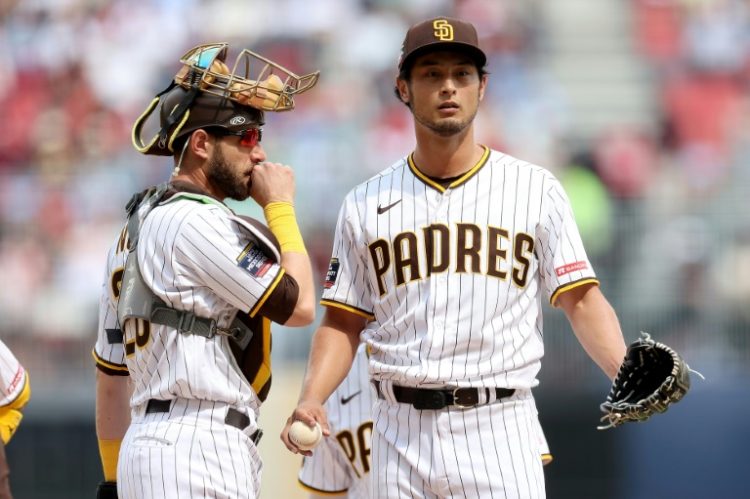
x=641 y=107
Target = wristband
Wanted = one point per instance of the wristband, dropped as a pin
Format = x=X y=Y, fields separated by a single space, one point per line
x=109 y=450
x=283 y=224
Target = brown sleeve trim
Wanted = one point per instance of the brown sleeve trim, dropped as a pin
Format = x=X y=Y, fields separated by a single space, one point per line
x=269 y=291
x=330 y=303
x=279 y=304
x=108 y=367
x=571 y=285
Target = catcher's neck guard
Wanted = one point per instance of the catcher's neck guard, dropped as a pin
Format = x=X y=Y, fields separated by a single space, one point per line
x=238 y=96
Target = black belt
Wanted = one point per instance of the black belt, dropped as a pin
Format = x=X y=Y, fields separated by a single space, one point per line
x=234 y=417
x=432 y=399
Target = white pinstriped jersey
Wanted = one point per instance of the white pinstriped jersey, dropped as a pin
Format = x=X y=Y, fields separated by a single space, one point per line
x=451 y=278
x=12 y=376
x=189 y=252
x=341 y=462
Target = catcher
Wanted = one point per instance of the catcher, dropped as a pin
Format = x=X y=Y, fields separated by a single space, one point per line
x=190 y=289
x=651 y=378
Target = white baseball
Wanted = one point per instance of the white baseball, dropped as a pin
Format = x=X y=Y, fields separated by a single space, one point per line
x=304 y=437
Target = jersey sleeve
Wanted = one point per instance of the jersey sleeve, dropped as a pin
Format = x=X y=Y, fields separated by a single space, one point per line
x=13 y=378
x=227 y=257
x=563 y=261
x=109 y=351
x=346 y=283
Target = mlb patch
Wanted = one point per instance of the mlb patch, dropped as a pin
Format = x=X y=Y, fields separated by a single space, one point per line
x=254 y=260
x=333 y=272
x=571 y=267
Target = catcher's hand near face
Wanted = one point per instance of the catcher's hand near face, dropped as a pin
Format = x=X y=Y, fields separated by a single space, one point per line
x=651 y=378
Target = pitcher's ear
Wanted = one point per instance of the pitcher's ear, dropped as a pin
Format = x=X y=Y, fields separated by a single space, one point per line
x=402 y=90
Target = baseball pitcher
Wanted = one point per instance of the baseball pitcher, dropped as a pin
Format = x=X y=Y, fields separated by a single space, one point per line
x=440 y=264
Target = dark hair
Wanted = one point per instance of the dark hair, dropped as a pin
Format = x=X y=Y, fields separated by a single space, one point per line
x=405 y=75
x=179 y=142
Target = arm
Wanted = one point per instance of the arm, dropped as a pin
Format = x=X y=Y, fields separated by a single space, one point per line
x=298 y=265
x=273 y=189
x=595 y=325
x=4 y=472
x=334 y=346
x=112 y=418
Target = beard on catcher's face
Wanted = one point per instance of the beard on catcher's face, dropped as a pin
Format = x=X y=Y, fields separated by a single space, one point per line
x=229 y=180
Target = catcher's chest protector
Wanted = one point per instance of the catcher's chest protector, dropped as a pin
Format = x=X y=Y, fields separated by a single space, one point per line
x=138 y=301
x=250 y=337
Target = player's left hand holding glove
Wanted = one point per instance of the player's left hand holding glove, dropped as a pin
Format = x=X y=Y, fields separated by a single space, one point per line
x=651 y=378
x=106 y=490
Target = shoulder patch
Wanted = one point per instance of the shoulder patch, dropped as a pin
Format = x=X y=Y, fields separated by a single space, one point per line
x=333 y=272
x=254 y=260
x=571 y=267
x=14 y=382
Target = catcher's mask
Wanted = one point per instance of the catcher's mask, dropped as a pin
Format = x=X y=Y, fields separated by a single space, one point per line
x=206 y=93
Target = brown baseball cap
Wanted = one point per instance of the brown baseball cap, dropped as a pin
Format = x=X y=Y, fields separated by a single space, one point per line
x=441 y=32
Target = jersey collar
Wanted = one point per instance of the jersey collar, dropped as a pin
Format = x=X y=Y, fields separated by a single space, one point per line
x=460 y=180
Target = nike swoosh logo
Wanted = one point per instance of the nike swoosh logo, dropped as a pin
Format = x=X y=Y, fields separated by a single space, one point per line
x=346 y=400
x=383 y=209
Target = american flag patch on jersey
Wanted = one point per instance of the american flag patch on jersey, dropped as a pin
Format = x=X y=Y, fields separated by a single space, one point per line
x=333 y=271
x=571 y=267
x=254 y=260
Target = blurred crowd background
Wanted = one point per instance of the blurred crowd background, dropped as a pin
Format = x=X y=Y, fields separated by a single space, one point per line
x=640 y=107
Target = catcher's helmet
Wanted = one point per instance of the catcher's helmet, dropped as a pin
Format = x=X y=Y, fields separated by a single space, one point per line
x=202 y=111
x=206 y=93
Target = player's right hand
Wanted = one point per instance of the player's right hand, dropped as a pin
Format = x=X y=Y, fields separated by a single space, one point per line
x=272 y=182
x=309 y=413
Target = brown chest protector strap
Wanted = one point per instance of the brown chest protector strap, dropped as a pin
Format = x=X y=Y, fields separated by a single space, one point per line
x=138 y=301
x=255 y=360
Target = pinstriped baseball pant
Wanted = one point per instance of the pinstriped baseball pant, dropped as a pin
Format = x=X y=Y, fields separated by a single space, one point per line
x=188 y=452
x=487 y=451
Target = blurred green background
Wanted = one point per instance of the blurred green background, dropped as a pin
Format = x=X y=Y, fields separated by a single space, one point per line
x=640 y=107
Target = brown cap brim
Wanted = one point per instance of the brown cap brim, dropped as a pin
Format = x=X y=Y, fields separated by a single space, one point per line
x=476 y=54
